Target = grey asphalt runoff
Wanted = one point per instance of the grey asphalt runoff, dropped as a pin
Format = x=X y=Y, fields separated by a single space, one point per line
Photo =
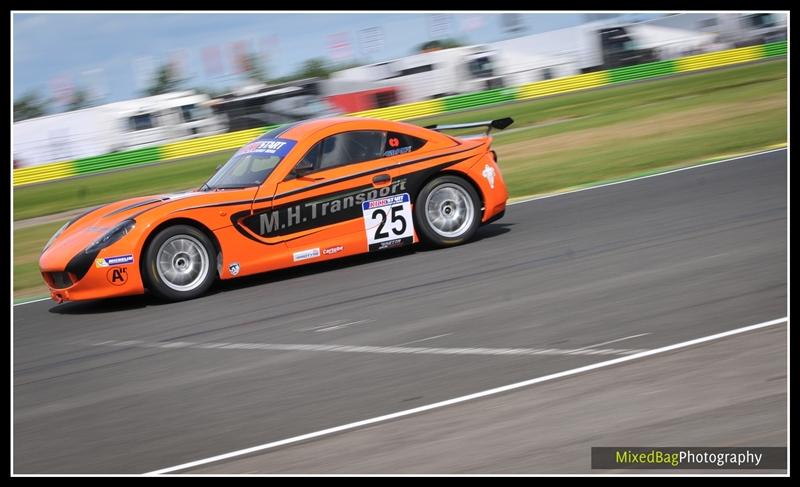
x=727 y=392
x=133 y=385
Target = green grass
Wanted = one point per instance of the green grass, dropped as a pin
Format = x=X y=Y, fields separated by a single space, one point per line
x=28 y=244
x=82 y=192
x=593 y=136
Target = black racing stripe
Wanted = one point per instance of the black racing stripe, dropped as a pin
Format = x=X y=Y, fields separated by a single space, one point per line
x=365 y=173
x=136 y=205
x=329 y=182
x=216 y=205
x=332 y=181
x=305 y=214
x=80 y=263
x=83 y=215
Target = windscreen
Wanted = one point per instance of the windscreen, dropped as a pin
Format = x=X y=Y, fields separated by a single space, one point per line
x=251 y=165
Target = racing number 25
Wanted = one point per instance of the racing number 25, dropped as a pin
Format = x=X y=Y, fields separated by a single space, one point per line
x=397 y=216
x=388 y=222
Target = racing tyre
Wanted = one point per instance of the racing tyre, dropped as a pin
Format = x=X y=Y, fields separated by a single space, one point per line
x=179 y=263
x=447 y=211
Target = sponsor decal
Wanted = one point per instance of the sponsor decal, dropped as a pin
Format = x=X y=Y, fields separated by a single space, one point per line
x=391 y=244
x=488 y=173
x=117 y=276
x=305 y=254
x=318 y=212
x=393 y=200
x=394 y=152
x=234 y=268
x=114 y=261
x=277 y=147
x=332 y=250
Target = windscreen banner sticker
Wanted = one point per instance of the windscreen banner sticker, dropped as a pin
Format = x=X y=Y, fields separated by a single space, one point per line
x=388 y=222
x=272 y=147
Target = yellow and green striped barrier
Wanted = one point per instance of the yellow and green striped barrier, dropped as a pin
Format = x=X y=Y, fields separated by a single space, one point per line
x=214 y=143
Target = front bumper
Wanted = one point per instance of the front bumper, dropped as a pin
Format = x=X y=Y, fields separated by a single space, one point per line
x=104 y=277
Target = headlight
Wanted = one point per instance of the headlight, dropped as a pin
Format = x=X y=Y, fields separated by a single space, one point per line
x=116 y=233
x=55 y=235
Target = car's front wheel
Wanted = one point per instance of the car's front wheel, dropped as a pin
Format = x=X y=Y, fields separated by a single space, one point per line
x=447 y=211
x=179 y=263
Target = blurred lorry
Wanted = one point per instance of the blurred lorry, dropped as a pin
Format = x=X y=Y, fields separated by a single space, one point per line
x=262 y=105
x=114 y=127
x=438 y=73
x=730 y=29
x=600 y=45
x=581 y=49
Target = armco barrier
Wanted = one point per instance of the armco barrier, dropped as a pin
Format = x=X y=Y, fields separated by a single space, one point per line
x=723 y=58
x=404 y=112
x=471 y=100
x=205 y=145
x=117 y=159
x=562 y=85
x=213 y=143
x=47 y=172
x=642 y=71
x=774 y=49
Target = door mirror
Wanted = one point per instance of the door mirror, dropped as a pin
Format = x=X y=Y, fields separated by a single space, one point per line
x=302 y=168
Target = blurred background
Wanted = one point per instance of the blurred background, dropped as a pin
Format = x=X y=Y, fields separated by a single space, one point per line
x=108 y=106
x=143 y=80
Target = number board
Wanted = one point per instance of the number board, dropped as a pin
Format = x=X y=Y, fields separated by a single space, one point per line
x=388 y=222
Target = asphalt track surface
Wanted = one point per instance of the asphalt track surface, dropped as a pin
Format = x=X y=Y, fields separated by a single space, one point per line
x=134 y=385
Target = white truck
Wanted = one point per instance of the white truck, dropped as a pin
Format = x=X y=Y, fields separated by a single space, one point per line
x=599 y=45
x=584 y=48
x=452 y=71
x=113 y=127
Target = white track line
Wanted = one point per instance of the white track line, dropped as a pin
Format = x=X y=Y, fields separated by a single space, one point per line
x=603 y=185
x=395 y=350
x=457 y=400
x=32 y=301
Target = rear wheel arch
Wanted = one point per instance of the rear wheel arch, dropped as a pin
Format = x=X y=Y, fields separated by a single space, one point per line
x=466 y=177
x=455 y=187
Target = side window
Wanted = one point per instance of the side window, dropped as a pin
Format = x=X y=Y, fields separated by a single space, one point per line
x=397 y=143
x=351 y=148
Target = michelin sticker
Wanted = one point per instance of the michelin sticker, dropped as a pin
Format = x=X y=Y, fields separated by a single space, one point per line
x=388 y=222
x=113 y=261
x=305 y=254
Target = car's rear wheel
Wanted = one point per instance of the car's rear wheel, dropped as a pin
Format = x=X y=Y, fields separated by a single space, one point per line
x=447 y=211
x=180 y=263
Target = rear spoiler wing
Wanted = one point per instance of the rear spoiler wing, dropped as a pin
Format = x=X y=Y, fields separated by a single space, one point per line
x=500 y=124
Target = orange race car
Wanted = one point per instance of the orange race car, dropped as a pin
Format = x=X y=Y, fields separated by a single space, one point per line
x=300 y=193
